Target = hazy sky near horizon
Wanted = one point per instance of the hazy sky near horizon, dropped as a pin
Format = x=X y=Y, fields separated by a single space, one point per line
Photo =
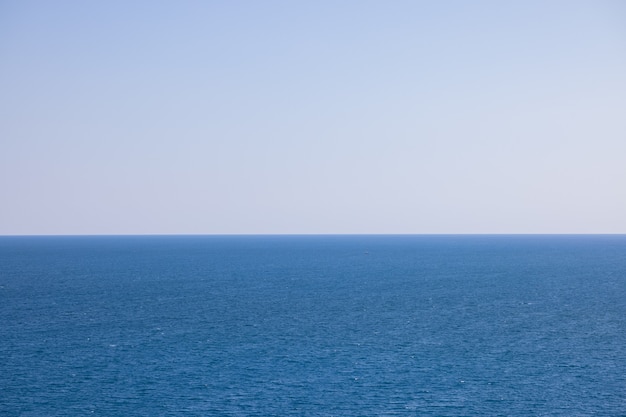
x=121 y=117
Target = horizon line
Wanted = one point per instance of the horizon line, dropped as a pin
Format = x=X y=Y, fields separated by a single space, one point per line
x=302 y=234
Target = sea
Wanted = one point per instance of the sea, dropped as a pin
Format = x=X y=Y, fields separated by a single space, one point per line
x=316 y=325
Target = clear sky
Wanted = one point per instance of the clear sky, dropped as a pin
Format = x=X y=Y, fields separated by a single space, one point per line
x=133 y=117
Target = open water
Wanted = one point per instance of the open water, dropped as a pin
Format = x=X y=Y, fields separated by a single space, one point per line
x=313 y=326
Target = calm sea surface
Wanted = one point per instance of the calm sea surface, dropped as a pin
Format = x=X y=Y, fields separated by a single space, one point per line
x=313 y=326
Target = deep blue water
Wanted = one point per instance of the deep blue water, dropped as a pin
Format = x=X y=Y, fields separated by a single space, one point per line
x=313 y=326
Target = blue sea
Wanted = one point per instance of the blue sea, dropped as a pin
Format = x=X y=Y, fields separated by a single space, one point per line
x=497 y=325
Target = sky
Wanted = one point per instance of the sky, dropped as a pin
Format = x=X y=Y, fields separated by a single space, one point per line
x=293 y=117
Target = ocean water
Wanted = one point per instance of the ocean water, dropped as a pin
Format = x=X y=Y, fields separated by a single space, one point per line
x=313 y=326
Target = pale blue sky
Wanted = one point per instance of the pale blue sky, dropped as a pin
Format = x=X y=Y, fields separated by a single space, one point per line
x=132 y=117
